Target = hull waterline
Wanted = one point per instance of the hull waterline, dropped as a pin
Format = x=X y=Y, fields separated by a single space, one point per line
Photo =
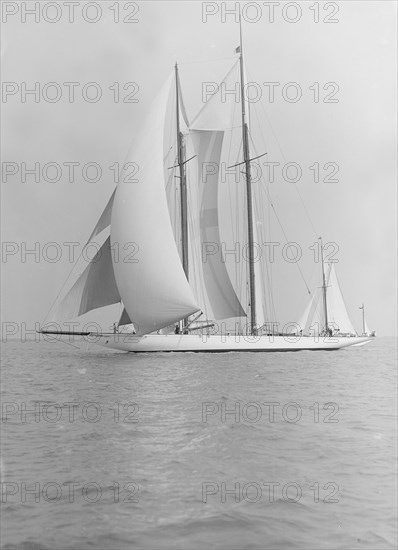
x=158 y=343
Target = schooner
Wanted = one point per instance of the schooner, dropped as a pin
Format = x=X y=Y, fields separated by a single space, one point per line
x=171 y=297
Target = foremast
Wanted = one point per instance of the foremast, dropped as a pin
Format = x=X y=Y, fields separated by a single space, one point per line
x=183 y=191
x=246 y=158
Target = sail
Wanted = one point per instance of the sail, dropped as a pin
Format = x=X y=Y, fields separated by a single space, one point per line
x=153 y=285
x=314 y=315
x=221 y=295
x=217 y=112
x=124 y=319
x=367 y=330
x=104 y=220
x=315 y=320
x=305 y=320
x=181 y=104
x=337 y=311
x=95 y=287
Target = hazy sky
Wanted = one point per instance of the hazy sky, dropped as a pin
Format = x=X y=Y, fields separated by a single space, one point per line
x=358 y=132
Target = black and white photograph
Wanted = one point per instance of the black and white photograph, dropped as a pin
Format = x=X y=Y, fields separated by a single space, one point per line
x=199 y=275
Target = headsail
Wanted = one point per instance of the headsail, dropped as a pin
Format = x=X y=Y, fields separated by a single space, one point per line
x=96 y=287
x=153 y=285
x=105 y=219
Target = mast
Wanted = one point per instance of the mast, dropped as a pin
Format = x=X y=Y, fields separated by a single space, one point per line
x=183 y=189
x=246 y=157
x=325 y=307
x=363 y=318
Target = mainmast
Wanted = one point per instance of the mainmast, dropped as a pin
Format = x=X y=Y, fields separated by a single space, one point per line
x=246 y=157
x=183 y=188
x=325 y=306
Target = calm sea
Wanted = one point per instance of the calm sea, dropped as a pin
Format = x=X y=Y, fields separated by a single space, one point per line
x=117 y=451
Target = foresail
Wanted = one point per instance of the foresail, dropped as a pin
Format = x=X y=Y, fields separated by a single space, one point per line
x=153 y=285
x=96 y=287
x=224 y=303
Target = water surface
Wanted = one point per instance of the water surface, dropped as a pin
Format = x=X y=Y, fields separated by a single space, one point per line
x=181 y=450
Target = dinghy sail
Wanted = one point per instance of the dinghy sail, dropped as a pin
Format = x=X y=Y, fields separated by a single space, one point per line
x=314 y=320
x=365 y=329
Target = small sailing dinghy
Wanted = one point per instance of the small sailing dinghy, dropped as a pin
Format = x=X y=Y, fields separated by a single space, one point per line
x=365 y=329
x=326 y=313
x=172 y=298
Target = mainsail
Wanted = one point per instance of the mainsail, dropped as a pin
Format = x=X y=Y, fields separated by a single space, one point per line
x=313 y=318
x=153 y=286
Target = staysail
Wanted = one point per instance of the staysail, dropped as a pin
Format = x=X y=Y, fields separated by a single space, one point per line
x=153 y=286
x=221 y=295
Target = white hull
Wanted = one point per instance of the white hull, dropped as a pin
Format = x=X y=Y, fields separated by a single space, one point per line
x=152 y=343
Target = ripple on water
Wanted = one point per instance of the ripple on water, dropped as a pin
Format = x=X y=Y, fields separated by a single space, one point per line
x=173 y=450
